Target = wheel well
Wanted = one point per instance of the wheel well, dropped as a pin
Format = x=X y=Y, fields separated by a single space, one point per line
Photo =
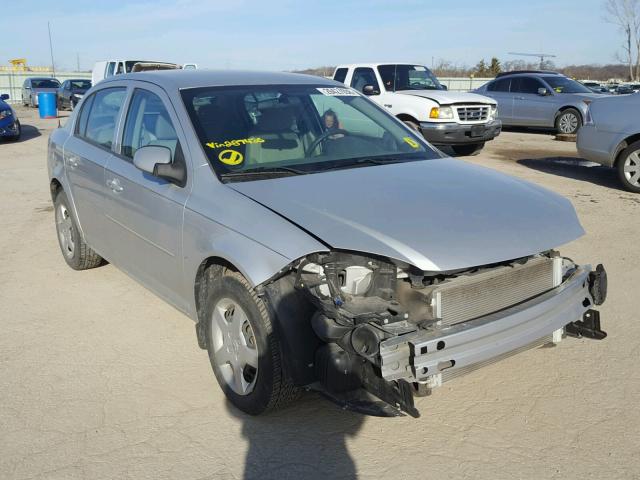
x=567 y=107
x=55 y=186
x=209 y=270
x=407 y=118
x=624 y=144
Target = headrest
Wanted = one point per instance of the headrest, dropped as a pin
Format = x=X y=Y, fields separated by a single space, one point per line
x=276 y=119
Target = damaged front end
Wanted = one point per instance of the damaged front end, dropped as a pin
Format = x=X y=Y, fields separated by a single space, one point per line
x=397 y=332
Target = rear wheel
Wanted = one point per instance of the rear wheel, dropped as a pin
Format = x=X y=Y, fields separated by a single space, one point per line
x=469 y=149
x=568 y=122
x=628 y=167
x=244 y=348
x=75 y=251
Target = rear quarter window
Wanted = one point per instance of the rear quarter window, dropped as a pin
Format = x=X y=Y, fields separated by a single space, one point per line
x=340 y=75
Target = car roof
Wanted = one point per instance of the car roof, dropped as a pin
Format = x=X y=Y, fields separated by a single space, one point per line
x=376 y=64
x=183 y=79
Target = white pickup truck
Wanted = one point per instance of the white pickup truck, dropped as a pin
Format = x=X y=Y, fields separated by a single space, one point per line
x=463 y=121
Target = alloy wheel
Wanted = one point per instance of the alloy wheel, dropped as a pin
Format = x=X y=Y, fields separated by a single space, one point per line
x=568 y=123
x=631 y=168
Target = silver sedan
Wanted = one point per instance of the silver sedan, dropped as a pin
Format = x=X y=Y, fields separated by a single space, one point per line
x=313 y=238
x=611 y=137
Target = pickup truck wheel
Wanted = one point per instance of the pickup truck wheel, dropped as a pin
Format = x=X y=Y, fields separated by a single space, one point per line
x=628 y=166
x=568 y=122
x=75 y=251
x=244 y=348
x=469 y=149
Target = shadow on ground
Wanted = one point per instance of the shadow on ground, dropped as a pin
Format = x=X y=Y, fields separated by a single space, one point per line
x=28 y=132
x=307 y=440
x=576 y=168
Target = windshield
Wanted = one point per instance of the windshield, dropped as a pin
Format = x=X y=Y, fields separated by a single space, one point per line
x=565 y=85
x=80 y=84
x=295 y=129
x=408 y=77
x=46 y=83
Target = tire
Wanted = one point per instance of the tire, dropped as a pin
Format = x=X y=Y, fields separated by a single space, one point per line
x=468 y=149
x=16 y=137
x=628 y=167
x=75 y=251
x=232 y=303
x=568 y=122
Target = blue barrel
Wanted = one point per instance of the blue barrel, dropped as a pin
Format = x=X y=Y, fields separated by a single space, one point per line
x=47 y=105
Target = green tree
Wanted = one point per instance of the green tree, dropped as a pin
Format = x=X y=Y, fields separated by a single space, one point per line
x=481 y=68
x=495 y=68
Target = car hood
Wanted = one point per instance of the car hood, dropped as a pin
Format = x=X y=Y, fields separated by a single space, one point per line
x=446 y=97
x=437 y=215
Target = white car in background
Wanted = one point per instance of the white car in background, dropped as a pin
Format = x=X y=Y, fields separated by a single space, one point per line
x=464 y=121
x=108 y=68
x=611 y=137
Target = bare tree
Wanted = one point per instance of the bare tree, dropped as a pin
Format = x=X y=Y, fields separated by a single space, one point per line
x=626 y=15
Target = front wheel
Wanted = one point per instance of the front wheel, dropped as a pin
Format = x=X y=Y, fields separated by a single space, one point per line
x=75 y=251
x=468 y=149
x=244 y=348
x=568 y=122
x=16 y=137
x=628 y=167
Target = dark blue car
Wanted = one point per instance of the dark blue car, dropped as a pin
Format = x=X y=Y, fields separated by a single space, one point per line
x=9 y=124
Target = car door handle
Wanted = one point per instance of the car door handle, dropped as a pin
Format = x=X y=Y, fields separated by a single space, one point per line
x=72 y=162
x=114 y=185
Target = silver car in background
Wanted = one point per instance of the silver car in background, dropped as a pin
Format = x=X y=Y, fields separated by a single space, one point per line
x=539 y=99
x=313 y=238
x=34 y=85
x=611 y=137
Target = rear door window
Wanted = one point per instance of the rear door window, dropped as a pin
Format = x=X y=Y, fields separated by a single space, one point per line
x=501 y=85
x=110 y=69
x=103 y=116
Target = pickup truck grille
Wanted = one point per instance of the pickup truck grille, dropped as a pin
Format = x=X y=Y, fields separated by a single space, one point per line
x=479 y=294
x=473 y=113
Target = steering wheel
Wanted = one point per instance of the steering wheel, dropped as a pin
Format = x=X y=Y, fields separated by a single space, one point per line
x=322 y=138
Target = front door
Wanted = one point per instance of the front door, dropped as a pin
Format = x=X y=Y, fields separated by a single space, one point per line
x=145 y=212
x=530 y=108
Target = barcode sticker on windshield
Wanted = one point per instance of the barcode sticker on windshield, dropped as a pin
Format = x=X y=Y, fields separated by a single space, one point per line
x=337 y=92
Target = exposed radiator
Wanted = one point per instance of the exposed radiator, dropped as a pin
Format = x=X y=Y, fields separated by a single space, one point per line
x=475 y=295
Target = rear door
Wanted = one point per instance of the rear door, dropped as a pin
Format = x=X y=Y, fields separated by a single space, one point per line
x=85 y=155
x=529 y=107
x=145 y=212
x=499 y=90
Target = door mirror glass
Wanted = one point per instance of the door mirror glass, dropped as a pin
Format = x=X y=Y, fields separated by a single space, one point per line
x=147 y=158
x=543 y=91
x=370 y=90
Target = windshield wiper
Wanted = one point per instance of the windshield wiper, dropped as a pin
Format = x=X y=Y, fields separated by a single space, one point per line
x=264 y=172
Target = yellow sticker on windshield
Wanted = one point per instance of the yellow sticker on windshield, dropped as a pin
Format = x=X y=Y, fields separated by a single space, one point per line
x=231 y=157
x=235 y=143
x=411 y=142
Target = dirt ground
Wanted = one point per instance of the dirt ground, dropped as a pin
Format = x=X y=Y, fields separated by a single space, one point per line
x=99 y=379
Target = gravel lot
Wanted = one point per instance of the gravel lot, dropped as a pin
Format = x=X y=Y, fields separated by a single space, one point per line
x=99 y=379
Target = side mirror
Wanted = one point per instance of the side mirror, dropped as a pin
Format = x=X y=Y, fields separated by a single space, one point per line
x=543 y=91
x=370 y=90
x=444 y=87
x=4 y=96
x=156 y=160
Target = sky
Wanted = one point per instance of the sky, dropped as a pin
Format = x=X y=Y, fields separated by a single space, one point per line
x=288 y=35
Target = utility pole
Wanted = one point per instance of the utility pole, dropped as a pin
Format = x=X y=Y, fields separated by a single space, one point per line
x=541 y=56
x=53 y=66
